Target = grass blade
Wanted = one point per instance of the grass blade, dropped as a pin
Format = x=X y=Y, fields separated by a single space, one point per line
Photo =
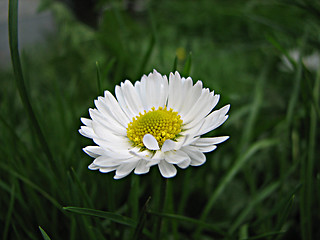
x=240 y=162
x=265 y=235
x=267 y=191
x=44 y=234
x=16 y=64
x=100 y=90
x=146 y=56
x=187 y=67
x=102 y=214
x=32 y=185
x=142 y=219
x=181 y=218
x=9 y=213
x=175 y=64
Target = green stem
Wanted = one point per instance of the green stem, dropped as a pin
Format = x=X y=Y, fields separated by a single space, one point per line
x=161 y=205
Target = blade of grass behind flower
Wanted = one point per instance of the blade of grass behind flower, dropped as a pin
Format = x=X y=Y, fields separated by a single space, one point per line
x=175 y=64
x=100 y=90
x=16 y=64
x=146 y=56
x=107 y=69
x=187 y=66
x=107 y=215
x=9 y=212
x=44 y=234
x=238 y=165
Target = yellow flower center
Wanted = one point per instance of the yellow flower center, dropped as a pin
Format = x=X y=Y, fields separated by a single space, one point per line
x=161 y=124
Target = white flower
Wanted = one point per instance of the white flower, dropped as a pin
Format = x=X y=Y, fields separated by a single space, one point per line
x=153 y=122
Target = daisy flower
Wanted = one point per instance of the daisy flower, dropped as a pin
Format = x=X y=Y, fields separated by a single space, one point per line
x=156 y=121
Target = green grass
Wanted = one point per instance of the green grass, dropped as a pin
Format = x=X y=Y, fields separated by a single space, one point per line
x=263 y=183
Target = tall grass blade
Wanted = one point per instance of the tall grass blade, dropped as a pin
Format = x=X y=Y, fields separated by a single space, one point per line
x=141 y=221
x=100 y=90
x=175 y=64
x=187 y=67
x=102 y=214
x=32 y=185
x=44 y=234
x=239 y=163
x=16 y=64
x=146 y=56
x=307 y=173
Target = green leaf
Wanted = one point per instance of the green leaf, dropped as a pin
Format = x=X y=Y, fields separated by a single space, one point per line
x=107 y=215
x=44 y=234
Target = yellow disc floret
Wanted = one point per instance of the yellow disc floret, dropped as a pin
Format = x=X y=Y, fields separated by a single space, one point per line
x=162 y=124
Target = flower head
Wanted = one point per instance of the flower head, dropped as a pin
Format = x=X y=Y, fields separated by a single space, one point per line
x=153 y=122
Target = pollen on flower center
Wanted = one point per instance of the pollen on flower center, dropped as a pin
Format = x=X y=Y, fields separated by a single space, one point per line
x=162 y=124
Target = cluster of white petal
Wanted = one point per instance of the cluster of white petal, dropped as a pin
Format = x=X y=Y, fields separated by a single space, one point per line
x=109 y=121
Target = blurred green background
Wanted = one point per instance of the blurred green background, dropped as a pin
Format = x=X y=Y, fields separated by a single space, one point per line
x=263 y=183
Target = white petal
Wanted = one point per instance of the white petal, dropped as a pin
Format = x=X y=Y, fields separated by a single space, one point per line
x=214 y=120
x=104 y=161
x=125 y=169
x=106 y=117
x=93 y=151
x=115 y=109
x=176 y=157
x=142 y=167
x=146 y=155
x=107 y=169
x=87 y=132
x=104 y=133
x=210 y=141
x=191 y=97
x=93 y=167
x=197 y=157
x=156 y=158
x=206 y=149
x=168 y=145
x=184 y=164
x=167 y=170
x=203 y=109
x=153 y=90
x=86 y=121
x=150 y=142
